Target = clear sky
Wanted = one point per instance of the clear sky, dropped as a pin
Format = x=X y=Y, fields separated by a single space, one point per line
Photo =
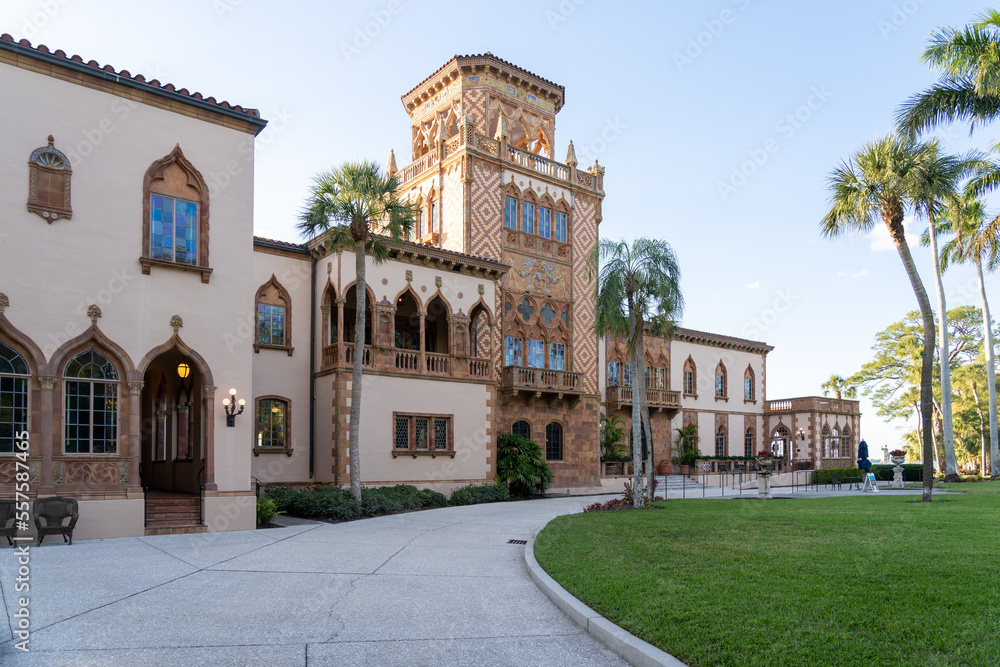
x=718 y=123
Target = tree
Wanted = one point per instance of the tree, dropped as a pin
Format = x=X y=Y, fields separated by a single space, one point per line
x=354 y=207
x=636 y=285
x=975 y=241
x=882 y=180
x=937 y=182
x=840 y=387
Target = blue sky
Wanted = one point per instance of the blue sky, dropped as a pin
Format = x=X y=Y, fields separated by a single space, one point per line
x=718 y=123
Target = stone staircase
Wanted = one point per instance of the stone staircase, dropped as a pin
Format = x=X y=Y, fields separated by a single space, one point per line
x=675 y=484
x=172 y=513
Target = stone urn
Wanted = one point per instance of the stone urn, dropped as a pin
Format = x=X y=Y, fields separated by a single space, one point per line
x=897 y=471
x=764 y=476
x=898 y=460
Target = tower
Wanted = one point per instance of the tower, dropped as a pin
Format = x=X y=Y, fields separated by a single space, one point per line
x=485 y=181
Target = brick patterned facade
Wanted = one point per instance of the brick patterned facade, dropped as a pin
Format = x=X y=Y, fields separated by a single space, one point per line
x=584 y=237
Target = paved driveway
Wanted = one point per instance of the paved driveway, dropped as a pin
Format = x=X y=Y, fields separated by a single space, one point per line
x=440 y=587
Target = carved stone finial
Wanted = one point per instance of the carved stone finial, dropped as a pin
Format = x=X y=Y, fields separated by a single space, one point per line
x=409 y=276
x=391 y=169
x=571 y=156
x=469 y=120
x=503 y=134
x=51 y=140
x=176 y=322
x=482 y=290
x=597 y=169
x=94 y=312
x=4 y=302
x=329 y=268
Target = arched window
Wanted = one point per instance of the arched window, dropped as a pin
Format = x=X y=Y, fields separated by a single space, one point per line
x=175 y=215
x=846 y=444
x=553 y=442
x=721 y=389
x=749 y=390
x=13 y=397
x=272 y=428
x=749 y=442
x=274 y=317
x=614 y=373
x=49 y=175
x=779 y=441
x=835 y=443
x=521 y=428
x=826 y=441
x=561 y=223
x=690 y=377
x=91 y=405
x=528 y=214
x=721 y=438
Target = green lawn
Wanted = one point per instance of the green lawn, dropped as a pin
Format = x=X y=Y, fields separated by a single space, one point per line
x=862 y=580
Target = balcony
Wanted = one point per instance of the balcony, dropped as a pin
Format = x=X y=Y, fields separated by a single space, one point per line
x=814 y=404
x=656 y=399
x=591 y=179
x=391 y=360
x=535 y=383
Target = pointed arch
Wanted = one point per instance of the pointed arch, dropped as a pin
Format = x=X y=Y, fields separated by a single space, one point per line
x=749 y=385
x=92 y=337
x=273 y=306
x=23 y=345
x=721 y=381
x=186 y=350
x=690 y=377
x=174 y=179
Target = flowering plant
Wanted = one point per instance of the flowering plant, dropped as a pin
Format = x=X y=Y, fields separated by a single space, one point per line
x=764 y=454
x=897 y=452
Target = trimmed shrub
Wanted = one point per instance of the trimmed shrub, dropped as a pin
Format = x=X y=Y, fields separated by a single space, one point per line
x=521 y=467
x=430 y=498
x=331 y=502
x=825 y=476
x=912 y=472
x=473 y=494
x=266 y=509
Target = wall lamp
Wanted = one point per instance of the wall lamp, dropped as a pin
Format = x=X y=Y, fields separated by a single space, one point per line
x=230 y=402
x=802 y=435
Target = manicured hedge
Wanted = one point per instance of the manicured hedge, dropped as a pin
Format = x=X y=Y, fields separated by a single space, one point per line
x=331 y=502
x=473 y=494
x=912 y=472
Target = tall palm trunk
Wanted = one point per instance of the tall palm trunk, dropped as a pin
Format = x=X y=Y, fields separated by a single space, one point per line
x=356 y=373
x=636 y=422
x=643 y=408
x=898 y=234
x=991 y=382
x=951 y=463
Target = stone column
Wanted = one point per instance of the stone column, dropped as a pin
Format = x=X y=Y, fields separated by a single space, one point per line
x=208 y=395
x=47 y=384
x=134 y=436
x=340 y=330
x=423 y=352
x=325 y=327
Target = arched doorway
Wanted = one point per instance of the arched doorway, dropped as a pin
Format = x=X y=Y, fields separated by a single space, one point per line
x=173 y=433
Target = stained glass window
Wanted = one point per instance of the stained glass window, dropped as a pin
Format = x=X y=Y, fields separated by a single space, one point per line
x=557 y=356
x=512 y=355
x=526 y=310
x=91 y=424
x=13 y=397
x=560 y=227
x=271 y=416
x=402 y=432
x=270 y=324
x=547 y=313
x=420 y=432
x=440 y=434
x=748 y=388
x=536 y=354
x=544 y=216
x=553 y=442
x=613 y=373
x=510 y=213
x=528 y=218
x=173 y=230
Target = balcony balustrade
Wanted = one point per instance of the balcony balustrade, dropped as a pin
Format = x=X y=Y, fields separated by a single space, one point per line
x=537 y=383
x=656 y=399
x=340 y=356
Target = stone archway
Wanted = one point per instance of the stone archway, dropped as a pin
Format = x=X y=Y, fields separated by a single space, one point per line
x=176 y=437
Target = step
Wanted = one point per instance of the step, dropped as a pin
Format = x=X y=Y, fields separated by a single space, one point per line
x=183 y=529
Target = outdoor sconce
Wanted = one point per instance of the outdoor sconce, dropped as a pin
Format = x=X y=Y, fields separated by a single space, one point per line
x=230 y=402
x=183 y=370
x=802 y=435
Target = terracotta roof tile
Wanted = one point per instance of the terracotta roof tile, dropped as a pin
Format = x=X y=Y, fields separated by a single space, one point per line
x=295 y=246
x=138 y=78
x=484 y=55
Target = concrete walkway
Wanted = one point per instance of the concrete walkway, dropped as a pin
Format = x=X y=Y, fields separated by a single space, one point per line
x=440 y=587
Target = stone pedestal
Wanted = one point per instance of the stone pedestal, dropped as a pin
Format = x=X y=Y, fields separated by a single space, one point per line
x=764 y=485
x=897 y=477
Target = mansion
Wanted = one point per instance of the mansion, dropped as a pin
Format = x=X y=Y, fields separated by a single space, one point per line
x=155 y=354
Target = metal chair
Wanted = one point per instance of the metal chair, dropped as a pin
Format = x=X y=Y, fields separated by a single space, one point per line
x=54 y=511
x=8 y=512
x=835 y=482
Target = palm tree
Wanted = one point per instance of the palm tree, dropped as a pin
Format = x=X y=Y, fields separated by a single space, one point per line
x=938 y=182
x=976 y=241
x=636 y=285
x=840 y=387
x=354 y=207
x=882 y=179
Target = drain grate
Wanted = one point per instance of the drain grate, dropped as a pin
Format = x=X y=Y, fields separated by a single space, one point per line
x=517 y=541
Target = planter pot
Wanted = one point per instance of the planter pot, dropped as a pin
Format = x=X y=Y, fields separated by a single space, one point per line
x=685 y=469
x=663 y=468
x=898 y=460
x=763 y=461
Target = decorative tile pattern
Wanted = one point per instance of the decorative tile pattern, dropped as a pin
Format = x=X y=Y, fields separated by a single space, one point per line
x=474 y=104
x=584 y=236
